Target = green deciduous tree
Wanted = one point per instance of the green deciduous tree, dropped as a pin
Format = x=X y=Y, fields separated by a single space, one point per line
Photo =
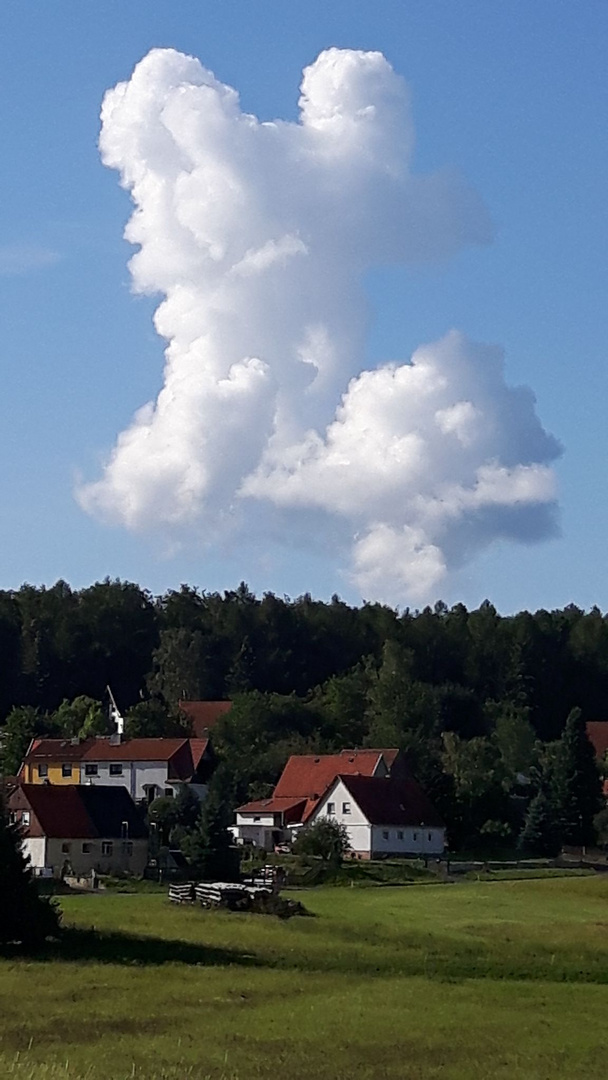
x=327 y=839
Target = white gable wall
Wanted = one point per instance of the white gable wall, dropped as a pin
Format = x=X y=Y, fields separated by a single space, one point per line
x=354 y=821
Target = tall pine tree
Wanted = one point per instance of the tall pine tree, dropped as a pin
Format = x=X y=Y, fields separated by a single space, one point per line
x=25 y=917
x=580 y=796
x=209 y=846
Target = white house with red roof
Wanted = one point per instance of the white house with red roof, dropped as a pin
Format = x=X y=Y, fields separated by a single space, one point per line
x=388 y=800
x=147 y=768
x=383 y=816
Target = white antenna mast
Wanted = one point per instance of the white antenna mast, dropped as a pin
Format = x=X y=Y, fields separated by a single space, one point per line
x=115 y=714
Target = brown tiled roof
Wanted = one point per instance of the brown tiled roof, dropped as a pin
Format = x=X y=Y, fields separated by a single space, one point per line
x=392 y=802
x=597 y=733
x=79 y=811
x=203 y=715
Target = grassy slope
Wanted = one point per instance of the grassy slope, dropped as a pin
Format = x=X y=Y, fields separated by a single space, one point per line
x=504 y=980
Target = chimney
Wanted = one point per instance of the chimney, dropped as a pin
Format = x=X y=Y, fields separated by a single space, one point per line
x=116 y=738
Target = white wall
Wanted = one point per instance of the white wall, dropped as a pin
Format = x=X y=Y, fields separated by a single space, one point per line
x=407 y=840
x=83 y=862
x=258 y=835
x=355 y=822
x=367 y=839
x=255 y=819
x=35 y=849
x=136 y=775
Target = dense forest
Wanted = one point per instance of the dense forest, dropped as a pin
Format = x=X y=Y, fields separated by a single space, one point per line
x=479 y=701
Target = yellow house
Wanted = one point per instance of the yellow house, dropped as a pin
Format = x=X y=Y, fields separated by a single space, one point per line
x=52 y=761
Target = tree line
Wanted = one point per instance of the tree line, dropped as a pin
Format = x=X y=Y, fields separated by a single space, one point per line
x=481 y=703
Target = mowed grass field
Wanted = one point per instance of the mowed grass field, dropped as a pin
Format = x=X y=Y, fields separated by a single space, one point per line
x=475 y=980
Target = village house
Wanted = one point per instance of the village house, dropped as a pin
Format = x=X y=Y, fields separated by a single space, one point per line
x=147 y=768
x=384 y=810
x=203 y=715
x=74 y=829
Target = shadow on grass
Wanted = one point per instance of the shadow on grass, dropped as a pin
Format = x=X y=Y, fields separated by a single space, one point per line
x=118 y=947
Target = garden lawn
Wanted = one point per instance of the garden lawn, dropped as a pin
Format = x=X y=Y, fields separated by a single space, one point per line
x=504 y=979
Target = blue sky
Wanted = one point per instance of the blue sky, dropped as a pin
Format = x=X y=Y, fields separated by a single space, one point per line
x=513 y=95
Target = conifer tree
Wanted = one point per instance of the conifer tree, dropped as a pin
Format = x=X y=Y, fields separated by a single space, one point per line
x=580 y=795
x=25 y=917
x=209 y=846
x=540 y=834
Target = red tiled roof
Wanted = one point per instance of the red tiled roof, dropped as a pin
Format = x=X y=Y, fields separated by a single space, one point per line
x=308 y=776
x=185 y=761
x=57 y=749
x=203 y=715
x=292 y=809
x=392 y=802
x=597 y=733
x=74 y=812
x=101 y=748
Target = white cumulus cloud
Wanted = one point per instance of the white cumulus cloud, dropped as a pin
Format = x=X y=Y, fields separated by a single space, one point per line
x=257 y=236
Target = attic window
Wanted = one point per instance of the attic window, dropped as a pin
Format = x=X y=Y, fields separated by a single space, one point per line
x=43 y=770
x=346 y=808
x=331 y=809
x=25 y=817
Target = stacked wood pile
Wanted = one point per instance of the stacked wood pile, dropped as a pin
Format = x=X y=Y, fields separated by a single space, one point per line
x=235 y=897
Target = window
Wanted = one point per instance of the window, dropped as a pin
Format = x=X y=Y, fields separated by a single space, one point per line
x=385 y=834
x=116 y=768
x=66 y=848
x=400 y=834
x=66 y=769
x=429 y=836
x=25 y=817
x=256 y=817
x=127 y=847
x=12 y=817
x=107 y=847
x=86 y=849
x=415 y=836
x=90 y=768
x=169 y=793
x=346 y=808
x=331 y=809
x=43 y=770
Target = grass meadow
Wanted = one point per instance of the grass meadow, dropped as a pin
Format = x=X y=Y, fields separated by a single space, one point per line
x=507 y=979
